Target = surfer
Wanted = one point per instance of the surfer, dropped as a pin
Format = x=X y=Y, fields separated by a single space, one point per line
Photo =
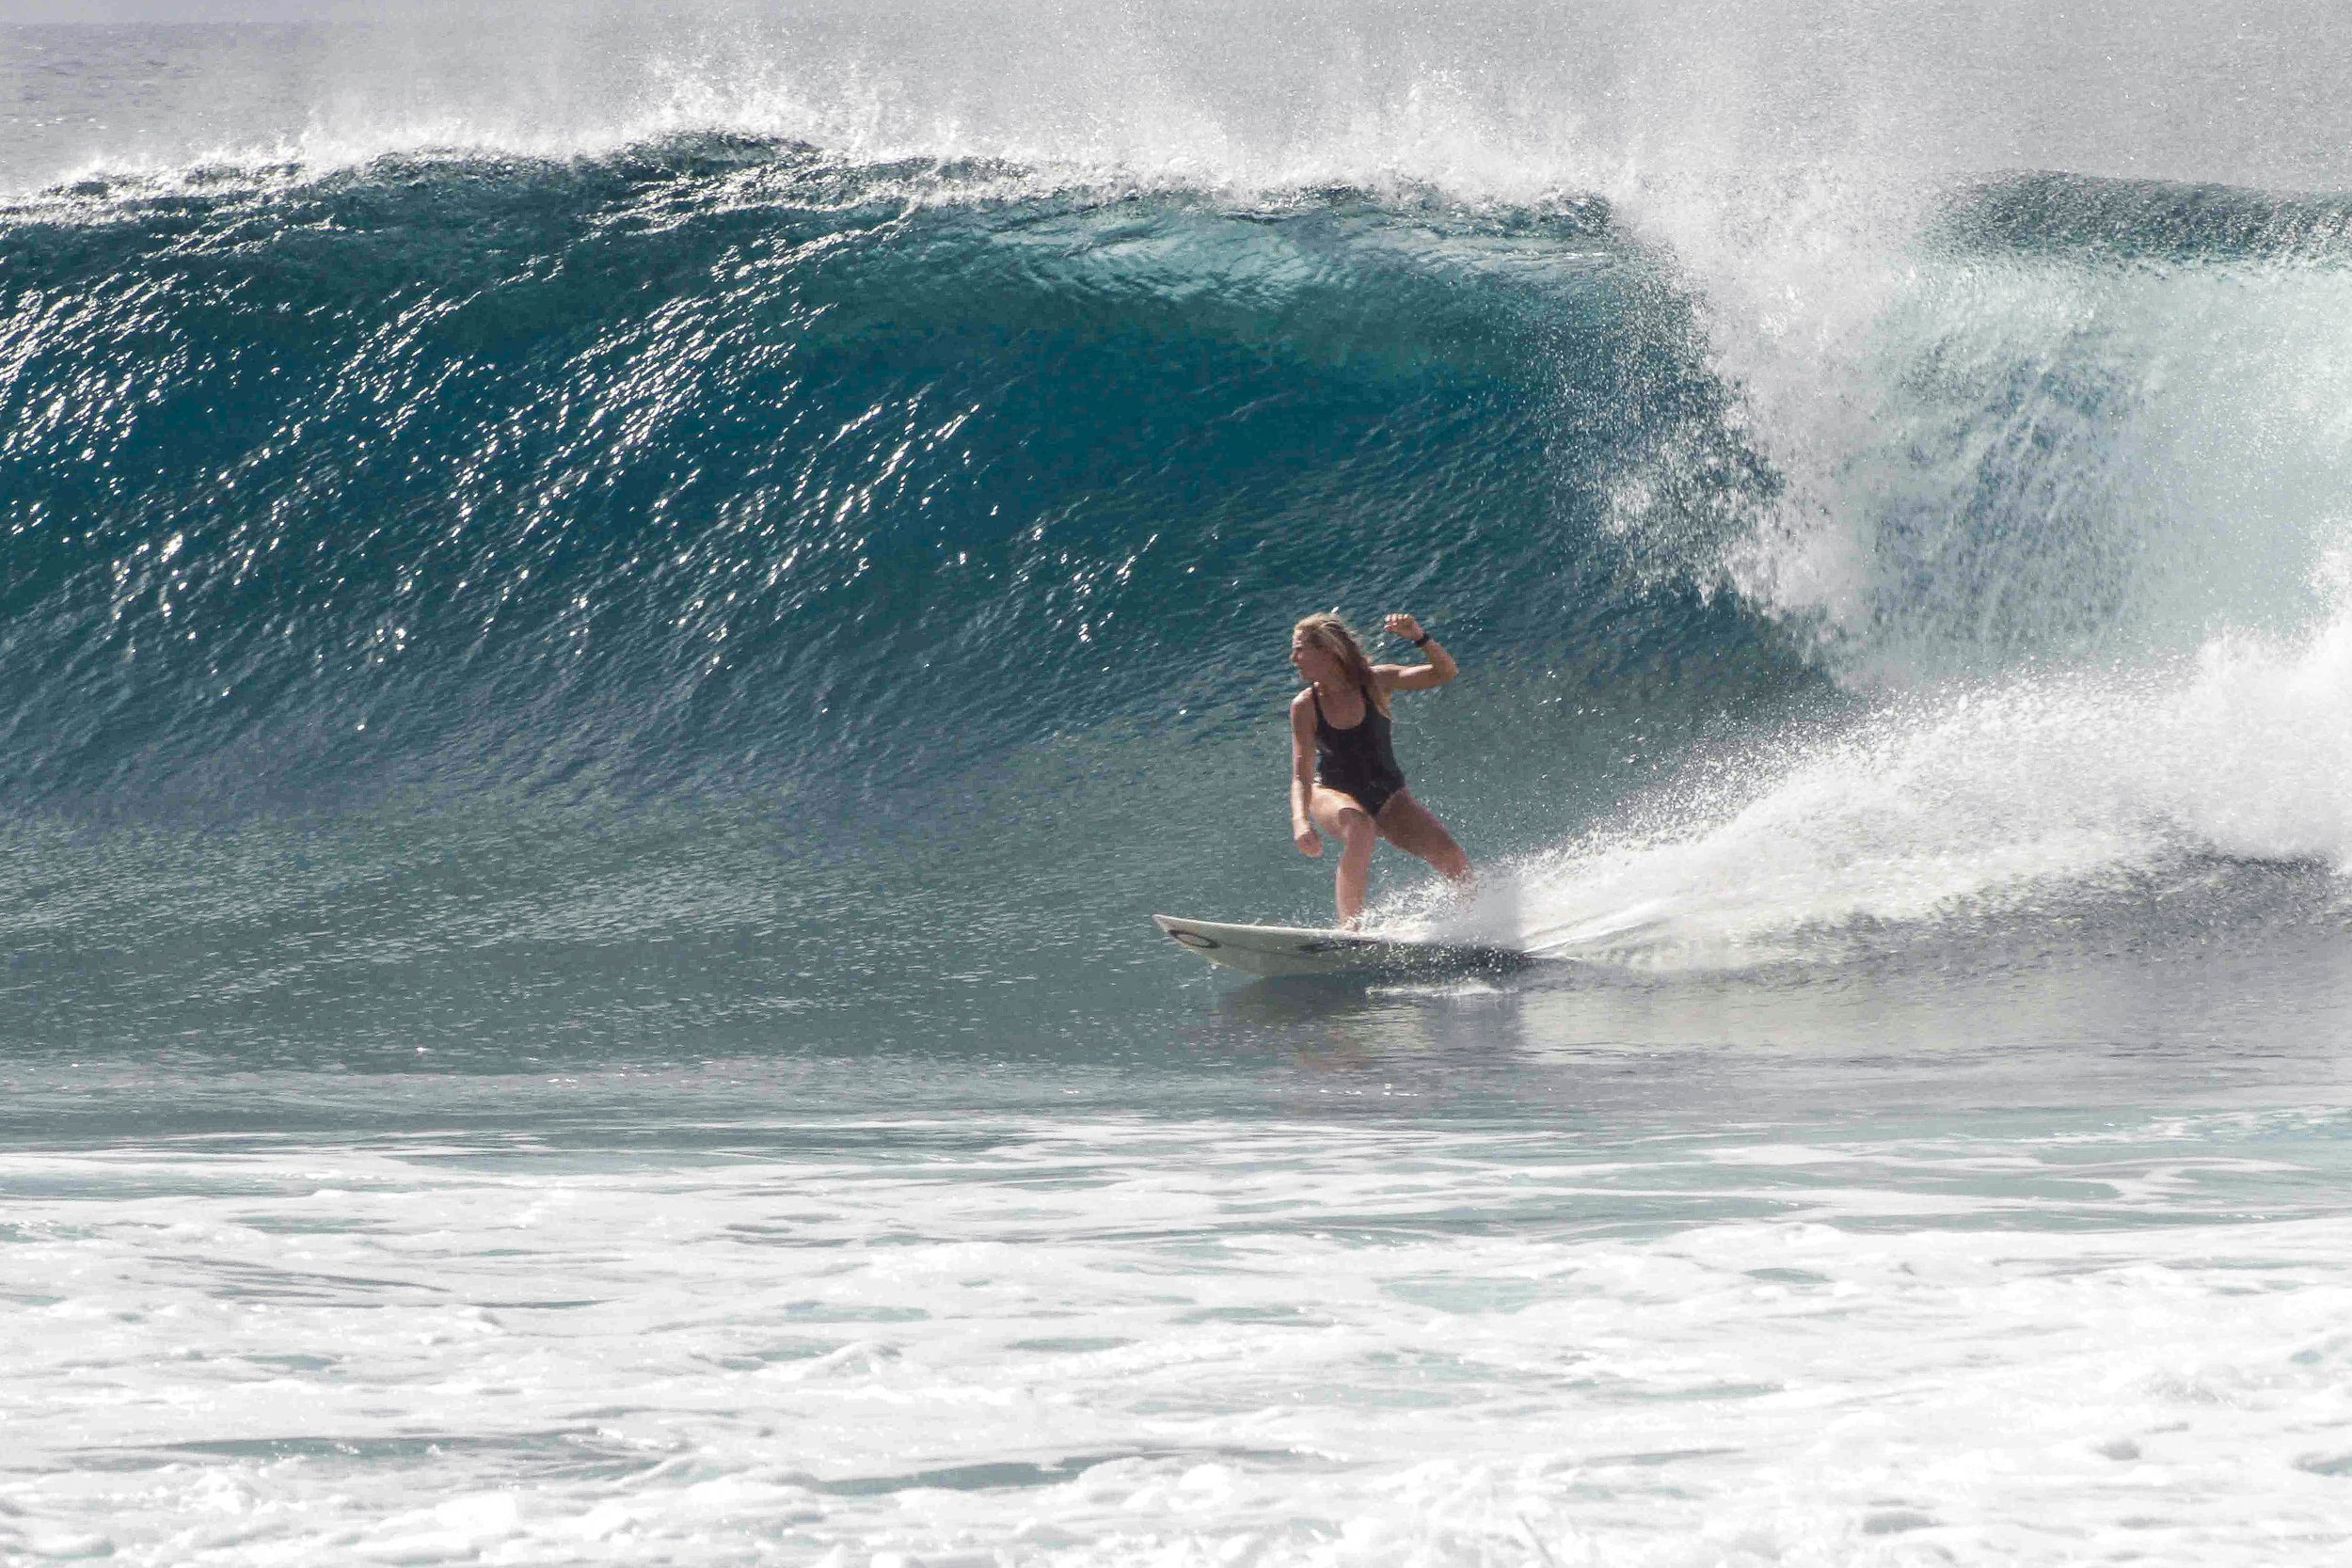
x=1344 y=779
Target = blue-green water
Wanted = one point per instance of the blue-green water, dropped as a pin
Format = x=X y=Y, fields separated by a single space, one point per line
x=592 y=722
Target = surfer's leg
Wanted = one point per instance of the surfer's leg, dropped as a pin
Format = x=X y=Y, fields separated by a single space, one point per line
x=1340 y=817
x=1408 y=824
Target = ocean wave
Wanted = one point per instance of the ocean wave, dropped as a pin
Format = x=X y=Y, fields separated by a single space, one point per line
x=725 y=456
x=724 y=465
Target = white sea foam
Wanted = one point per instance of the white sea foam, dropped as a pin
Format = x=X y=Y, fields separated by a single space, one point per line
x=1954 y=799
x=1120 y=1342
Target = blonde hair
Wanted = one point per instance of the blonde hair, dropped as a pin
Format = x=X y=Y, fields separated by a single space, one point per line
x=1326 y=630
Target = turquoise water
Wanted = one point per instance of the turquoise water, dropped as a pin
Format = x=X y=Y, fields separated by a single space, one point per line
x=610 y=636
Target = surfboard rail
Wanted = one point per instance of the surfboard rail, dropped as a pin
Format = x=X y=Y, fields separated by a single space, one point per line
x=1285 y=950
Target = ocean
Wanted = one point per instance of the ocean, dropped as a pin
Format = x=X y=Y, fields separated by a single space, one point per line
x=614 y=618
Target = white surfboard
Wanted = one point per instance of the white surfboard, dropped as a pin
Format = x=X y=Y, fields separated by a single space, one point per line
x=1305 y=950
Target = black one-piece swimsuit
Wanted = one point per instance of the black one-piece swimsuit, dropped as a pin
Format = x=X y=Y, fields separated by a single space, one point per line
x=1358 y=760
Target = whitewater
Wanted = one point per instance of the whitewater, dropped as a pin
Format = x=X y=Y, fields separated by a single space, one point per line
x=615 y=617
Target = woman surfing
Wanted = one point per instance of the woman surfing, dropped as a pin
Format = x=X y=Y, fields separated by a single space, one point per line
x=1344 y=779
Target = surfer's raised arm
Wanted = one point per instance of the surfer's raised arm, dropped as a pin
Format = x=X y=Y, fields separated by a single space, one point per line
x=1416 y=677
x=1345 y=779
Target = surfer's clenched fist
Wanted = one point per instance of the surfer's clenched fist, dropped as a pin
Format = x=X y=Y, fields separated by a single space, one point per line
x=1404 y=627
